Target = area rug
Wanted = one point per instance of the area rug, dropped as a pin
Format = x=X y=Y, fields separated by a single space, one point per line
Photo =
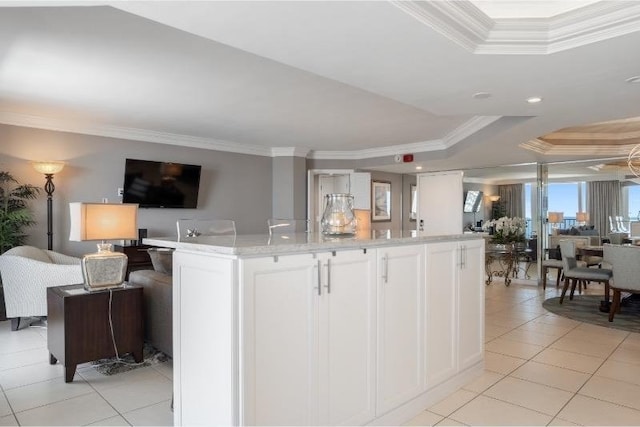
x=112 y=366
x=584 y=308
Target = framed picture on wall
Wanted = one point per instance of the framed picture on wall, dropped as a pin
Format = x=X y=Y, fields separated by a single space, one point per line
x=381 y=197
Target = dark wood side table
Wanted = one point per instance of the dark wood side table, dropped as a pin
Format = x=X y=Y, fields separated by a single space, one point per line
x=78 y=328
x=139 y=258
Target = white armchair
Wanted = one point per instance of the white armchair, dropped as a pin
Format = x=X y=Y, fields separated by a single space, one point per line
x=27 y=272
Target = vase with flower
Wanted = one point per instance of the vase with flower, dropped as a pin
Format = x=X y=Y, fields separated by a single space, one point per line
x=508 y=233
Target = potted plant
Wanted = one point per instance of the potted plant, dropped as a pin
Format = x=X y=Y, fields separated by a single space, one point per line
x=507 y=231
x=14 y=217
x=15 y=214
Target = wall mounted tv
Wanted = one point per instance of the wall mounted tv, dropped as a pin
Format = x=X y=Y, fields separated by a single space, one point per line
x=161 y=185
x=472 y=201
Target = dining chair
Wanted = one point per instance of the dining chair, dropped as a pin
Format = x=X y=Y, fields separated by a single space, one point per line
x=625 y=262
x=612 y=226
x=575 y=273
x=287 y=225
x=191 y=228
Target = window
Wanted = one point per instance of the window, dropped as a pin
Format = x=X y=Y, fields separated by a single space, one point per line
x=633 y=198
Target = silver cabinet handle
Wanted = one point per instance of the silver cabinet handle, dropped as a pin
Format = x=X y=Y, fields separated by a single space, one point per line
x=319 y=269
x=463 y=251
x=385 y=268
x=328 y=276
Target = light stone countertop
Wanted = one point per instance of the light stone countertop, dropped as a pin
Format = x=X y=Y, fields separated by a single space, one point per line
x=252 y=245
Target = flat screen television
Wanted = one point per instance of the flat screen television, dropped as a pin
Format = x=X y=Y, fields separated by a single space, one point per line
x=161 y=184
x=472 y=201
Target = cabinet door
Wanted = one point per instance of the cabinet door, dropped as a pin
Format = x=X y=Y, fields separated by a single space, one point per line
x=443 y=260
x=347 y=338
x=280 y=343
x=204 y=339
x=471 y=304
x=439 y=203
x=400 y=366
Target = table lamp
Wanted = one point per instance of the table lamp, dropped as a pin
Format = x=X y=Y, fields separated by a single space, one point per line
x=103 y=221
x=582 y=218
x=555 y=218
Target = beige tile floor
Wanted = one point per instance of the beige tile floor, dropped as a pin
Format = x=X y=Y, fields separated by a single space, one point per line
x=540 y=369
x=32 y=392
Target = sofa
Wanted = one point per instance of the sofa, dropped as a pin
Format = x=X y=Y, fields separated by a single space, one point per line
x=588 y=231
x=158 y=299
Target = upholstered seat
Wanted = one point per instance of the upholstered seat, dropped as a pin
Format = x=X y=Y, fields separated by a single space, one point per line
x=158 y=299
x=573 y=272
x=625 y=262
x=27 y=272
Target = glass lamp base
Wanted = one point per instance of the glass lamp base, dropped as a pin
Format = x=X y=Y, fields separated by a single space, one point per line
x=104 y=269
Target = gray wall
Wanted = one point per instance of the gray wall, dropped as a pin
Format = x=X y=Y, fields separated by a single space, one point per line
x=234 y=186
x=289 y=187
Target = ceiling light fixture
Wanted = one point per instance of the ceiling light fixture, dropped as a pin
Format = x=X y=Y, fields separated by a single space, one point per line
x=634 y=79
x=418 y=168
x=534 y=100
x=633 y=161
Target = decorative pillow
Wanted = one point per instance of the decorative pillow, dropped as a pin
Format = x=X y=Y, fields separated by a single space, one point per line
x=563 y=231
x=574 y=231
x=162 y=260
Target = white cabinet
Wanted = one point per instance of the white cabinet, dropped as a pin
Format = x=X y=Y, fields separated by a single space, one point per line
x=204 y=306
x=400 y=325
x=309 y=339
x=454 y=330
x=350 y=337
x=443 y=261
x=471 y=304
x=439 y=203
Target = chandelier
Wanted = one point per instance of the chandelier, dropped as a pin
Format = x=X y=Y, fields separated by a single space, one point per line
x=633 y=161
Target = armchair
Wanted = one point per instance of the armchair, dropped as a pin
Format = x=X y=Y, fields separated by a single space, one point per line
x=26 y=274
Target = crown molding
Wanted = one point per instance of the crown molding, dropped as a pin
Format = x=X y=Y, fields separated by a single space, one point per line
x=542 y=147
x=466 y=25
x=289 y=152
x=460 y=21
x=468 y=128
x=134 y=134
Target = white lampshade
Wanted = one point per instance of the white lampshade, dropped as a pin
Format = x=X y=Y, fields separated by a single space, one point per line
x=555 y=217
x=46 y=168
x=582 y=217
x=103 y=221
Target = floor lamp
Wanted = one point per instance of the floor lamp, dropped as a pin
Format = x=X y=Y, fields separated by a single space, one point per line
x=49 y=169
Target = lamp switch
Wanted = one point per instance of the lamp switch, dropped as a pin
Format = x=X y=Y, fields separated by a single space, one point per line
x=120 y=192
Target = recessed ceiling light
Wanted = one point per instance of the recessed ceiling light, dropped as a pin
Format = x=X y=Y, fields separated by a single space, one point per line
x=634 y=79
x=418 y=168
x=534 y=100
x=481 y=95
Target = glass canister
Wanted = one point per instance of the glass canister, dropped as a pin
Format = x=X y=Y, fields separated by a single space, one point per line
x=338 y=217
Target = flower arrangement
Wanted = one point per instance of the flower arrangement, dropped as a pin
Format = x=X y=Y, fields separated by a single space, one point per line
x=507 y=230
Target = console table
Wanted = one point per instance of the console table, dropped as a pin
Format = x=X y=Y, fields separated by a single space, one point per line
x=78 y=328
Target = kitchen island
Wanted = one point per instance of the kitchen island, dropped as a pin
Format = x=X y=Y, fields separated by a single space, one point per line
x=311 y=330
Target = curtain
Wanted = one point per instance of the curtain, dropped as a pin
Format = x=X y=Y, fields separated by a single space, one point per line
x=512 y=199
x=603 y=201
